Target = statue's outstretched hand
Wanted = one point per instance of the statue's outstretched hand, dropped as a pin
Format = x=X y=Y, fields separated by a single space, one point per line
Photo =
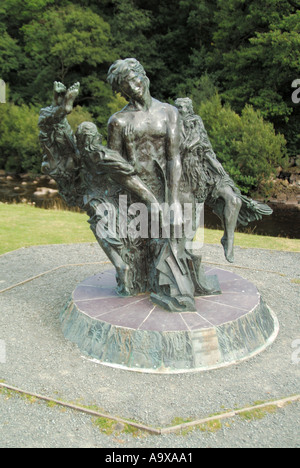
x=73 y=91
x=71 y=95
x=59 y=87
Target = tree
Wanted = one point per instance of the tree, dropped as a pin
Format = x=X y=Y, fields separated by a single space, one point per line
x=181 y=33
x=9 y=48
x=279 y=47
x=255 y=58
x=9 y=54
x=64 y=42
x=68 y=44
x=19 y=145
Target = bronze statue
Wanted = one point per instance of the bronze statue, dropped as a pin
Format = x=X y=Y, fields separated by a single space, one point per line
x=157 y=161
x=209 y=181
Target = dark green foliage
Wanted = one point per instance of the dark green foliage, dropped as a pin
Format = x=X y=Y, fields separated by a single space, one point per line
x=246 y=145
x=256 y=59
x=19 y=146
x=247 y=49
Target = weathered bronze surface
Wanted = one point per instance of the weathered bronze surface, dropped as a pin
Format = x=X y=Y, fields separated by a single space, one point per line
x=158 y=160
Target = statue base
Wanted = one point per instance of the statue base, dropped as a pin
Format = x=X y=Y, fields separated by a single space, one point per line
x=133 y=333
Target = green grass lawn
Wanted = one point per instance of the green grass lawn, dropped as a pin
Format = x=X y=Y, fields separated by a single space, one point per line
x=25 y=225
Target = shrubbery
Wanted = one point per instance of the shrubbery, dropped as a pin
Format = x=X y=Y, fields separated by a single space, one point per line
x=19 y=145
x=245 y=144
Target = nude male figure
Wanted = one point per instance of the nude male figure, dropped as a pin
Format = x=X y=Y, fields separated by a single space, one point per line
x=147 y=133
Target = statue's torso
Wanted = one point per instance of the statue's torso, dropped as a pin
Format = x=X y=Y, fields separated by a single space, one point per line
x=150 y=129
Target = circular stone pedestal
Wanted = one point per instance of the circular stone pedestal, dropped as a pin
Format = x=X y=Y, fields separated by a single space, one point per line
x=135 y=334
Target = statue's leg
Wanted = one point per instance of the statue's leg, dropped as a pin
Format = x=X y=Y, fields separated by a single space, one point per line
x=135 y=185
x=231 y=211
x=204 y=285
x=121 y=267
x=111 y=246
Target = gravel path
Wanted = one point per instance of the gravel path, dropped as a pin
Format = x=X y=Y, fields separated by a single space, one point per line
x=39 y=359
x=34 y=425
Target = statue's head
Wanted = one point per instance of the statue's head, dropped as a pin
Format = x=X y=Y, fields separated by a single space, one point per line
x=185 y=106
x=87 y=136
x=128 y=78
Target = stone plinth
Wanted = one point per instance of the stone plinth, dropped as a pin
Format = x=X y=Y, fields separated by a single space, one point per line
x=135 y=334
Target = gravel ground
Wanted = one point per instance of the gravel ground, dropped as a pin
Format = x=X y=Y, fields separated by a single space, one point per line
x=39 y=359
x=34 y=425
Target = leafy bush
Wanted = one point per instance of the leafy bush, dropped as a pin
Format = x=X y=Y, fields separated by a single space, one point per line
x=246 y=145
x=19 y=145
x=79 y=115
x=260 y=151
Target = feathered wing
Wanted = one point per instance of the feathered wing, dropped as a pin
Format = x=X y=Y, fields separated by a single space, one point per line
x=252 y=210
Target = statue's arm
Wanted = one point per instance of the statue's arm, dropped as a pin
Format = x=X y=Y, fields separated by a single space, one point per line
x=115 y=133
x=50 y=116
x=129 y=136
x=215 y=163
x=56 y=113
